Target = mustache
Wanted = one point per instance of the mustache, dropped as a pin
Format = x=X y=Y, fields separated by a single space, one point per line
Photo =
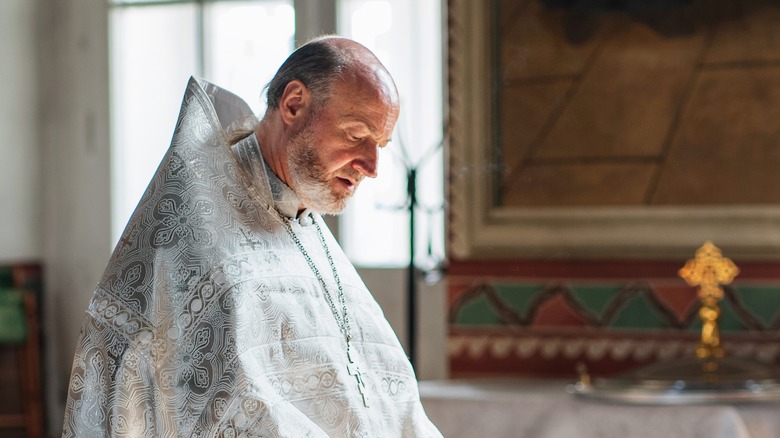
x=352 y=174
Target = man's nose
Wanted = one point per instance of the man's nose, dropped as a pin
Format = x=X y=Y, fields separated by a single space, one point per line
x=366 y=162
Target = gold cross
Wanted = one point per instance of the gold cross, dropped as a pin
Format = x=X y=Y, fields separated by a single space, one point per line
x=353 y=368
x=709 y=270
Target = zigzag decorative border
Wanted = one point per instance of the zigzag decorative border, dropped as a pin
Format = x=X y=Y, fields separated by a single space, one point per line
x=512 y=317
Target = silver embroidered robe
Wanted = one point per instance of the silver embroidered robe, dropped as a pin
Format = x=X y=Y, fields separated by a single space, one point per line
x=209 y=322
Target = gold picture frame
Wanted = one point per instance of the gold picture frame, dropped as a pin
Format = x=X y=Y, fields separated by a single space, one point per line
x=481 y=228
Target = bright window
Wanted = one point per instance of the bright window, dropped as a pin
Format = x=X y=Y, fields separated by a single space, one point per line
x=406 y=36
x=238 y=44
x=155 y=47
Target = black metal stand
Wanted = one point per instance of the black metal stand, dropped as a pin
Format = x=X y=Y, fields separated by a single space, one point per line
x=411 y=186
x=412 y=271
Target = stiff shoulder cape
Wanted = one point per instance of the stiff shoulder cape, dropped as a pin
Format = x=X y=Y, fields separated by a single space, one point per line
x=208 y=320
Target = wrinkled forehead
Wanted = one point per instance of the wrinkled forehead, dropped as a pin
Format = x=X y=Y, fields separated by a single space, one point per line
x=372 y=95
x=372 y=79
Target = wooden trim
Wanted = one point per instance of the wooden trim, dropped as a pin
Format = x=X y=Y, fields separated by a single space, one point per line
x=13 y=420
x=597 y=269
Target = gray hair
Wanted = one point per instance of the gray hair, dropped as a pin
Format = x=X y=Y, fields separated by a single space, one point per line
x=317 y=64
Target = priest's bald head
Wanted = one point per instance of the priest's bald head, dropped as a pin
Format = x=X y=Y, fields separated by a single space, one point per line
x=331 y=106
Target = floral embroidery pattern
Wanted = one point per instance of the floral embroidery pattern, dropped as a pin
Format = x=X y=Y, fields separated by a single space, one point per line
x=189 y=362
x=181 y=220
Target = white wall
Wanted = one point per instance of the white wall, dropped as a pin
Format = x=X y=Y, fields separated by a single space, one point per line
x=21 y=211
x=73 y=91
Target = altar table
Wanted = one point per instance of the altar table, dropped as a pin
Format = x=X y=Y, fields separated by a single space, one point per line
x=544 y=409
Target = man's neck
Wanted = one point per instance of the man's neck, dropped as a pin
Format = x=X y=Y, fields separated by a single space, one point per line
x=274 y=154
x=270 y=140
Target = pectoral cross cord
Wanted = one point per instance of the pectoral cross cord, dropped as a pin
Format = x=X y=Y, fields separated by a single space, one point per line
x=342 y=317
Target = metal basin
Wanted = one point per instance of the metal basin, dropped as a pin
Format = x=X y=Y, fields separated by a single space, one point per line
x=688 y=381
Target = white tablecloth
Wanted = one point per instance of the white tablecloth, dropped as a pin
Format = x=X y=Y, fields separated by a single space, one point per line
x=543 y=409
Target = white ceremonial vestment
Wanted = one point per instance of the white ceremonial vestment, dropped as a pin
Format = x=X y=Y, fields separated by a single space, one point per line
x=208 y=321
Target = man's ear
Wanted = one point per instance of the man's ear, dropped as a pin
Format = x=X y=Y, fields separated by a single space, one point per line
x=294 y=102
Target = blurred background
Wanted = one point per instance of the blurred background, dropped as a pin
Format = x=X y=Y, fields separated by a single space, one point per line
x=90 y=98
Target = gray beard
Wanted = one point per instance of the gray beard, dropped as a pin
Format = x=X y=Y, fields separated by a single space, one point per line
x=308 y=176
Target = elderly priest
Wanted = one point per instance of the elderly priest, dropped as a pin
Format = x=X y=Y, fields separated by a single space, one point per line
x=227 y=308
